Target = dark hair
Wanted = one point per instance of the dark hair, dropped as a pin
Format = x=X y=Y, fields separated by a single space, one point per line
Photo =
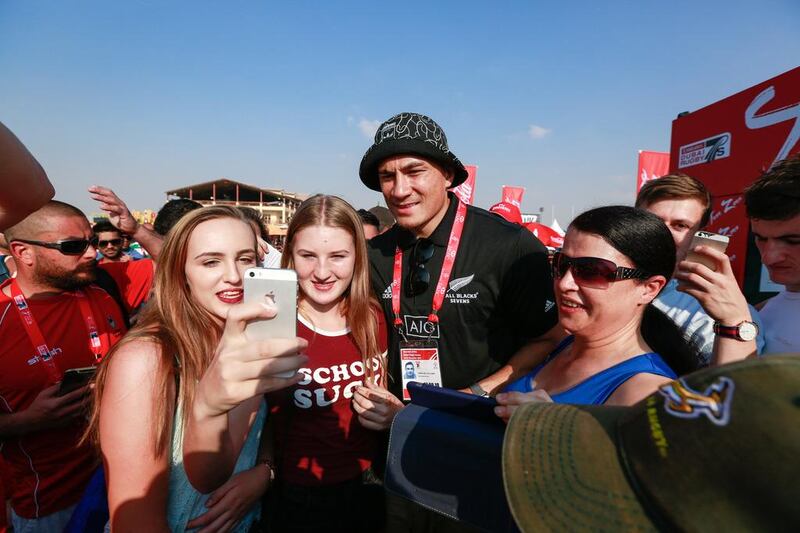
x=368 y=218
x=675 y=187
x=105 y=225
x=644 y=239
x=385 y=217
x=254 y=216
x=171 y=212
x=776 y=194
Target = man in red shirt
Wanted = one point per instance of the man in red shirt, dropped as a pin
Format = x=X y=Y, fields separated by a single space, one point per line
x=133 y=279
x=109 y=243
x=51 y=319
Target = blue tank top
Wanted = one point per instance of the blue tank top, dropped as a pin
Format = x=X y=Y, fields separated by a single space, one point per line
x=596 y=389
x=184 y=501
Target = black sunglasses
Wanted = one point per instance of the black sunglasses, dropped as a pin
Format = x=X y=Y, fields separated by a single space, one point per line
x=593 y=272
x=68 y=247
x=112 y=242
x=419 y=279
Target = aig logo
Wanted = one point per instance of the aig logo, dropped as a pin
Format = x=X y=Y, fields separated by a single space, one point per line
x=420 y=327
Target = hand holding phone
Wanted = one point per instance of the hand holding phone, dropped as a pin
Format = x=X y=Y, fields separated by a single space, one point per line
x=278 y=288
x=706 y=238
x=75 y=378
x=717 y=291
x=243 y=368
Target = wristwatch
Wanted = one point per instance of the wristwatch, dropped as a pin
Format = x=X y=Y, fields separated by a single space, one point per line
x=744 y=331
x=477 y=390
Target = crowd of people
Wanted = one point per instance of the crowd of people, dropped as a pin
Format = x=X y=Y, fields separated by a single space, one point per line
x=188 y=424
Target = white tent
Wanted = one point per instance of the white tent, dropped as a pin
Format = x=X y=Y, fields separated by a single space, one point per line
x=557 y=227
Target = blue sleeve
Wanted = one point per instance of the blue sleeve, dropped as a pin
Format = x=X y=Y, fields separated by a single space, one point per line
x=760 y=339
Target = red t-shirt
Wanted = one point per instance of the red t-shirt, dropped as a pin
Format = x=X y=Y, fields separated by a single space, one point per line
x=47 y=470
x=134 y=280
x=320 y=437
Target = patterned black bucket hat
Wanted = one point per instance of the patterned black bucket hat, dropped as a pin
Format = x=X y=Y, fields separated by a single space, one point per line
x=409 y=133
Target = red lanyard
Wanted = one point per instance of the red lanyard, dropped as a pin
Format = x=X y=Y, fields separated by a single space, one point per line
x=444 y=276
x=91 y=328
x=35 y=334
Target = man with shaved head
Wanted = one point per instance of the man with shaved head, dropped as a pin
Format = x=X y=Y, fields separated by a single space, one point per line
x=51 y=319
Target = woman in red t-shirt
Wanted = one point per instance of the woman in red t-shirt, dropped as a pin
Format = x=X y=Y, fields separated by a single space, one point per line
x=323 y=451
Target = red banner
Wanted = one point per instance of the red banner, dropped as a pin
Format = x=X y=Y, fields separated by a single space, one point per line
x=729 y=144
x=652 y=165
x=513 y=195
x=729 y=217
x=466 y=191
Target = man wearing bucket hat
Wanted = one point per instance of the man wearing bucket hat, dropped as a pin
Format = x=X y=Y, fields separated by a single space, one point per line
x=716 y=450
x=470 y=295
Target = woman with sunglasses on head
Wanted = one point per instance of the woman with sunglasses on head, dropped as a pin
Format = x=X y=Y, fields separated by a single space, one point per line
x=149 y=385
x=323 y=449
x=614 y=262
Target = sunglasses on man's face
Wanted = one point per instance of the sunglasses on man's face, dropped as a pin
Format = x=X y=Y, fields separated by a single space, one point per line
x=419 y=279
x=68 y=247
x=110 y=242
x=593 y=272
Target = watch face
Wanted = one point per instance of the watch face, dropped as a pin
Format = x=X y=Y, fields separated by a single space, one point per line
x=747 y=331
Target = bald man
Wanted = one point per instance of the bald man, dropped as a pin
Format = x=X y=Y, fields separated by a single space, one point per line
x=51 y=319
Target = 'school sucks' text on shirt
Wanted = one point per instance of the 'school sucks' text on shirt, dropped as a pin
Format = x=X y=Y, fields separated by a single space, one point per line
x=320 y=438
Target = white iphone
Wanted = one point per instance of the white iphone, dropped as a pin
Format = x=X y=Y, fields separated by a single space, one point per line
x=278 y=287
x=712 y=240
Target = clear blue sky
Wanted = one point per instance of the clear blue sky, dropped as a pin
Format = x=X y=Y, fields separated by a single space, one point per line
x=145 y=96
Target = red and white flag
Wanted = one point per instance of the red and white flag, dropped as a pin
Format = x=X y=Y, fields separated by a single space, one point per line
x=466 y=191
x=652 y=165
x=513 y=195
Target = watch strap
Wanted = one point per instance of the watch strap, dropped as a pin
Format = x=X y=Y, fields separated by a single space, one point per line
x=477 y=390
x=731 y=332
x=735 y=332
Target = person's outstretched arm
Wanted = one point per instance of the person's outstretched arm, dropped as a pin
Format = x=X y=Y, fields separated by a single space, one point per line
x=229 y=393
x=122 y=219
x=23 y=182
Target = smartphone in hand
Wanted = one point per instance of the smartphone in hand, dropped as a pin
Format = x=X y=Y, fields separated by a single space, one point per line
x=277 y=287
x=712 y=240
x=75 y=378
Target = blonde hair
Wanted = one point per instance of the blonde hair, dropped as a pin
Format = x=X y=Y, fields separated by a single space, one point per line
x=359 y=306
x=187 y=333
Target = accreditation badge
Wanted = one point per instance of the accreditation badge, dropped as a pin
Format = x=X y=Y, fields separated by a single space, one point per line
x=419 y=361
